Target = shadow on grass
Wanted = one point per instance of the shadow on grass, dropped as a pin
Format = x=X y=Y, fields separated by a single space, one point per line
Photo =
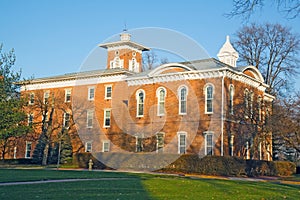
x=121 y=186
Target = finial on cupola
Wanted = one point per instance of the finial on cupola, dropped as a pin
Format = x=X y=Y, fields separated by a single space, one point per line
x=228 y=54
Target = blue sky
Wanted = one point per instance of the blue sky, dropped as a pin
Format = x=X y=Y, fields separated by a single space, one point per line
x=54 y=37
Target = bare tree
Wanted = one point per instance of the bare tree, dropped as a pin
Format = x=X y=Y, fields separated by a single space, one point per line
x=52 y=122
x=151 y=60
x=272 y=48
x=285 y=125
x=246 y=8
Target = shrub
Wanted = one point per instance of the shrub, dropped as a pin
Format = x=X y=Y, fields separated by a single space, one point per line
x=20 y=161
x=284 y=168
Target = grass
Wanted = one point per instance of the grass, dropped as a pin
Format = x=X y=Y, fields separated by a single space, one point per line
x=135 y=186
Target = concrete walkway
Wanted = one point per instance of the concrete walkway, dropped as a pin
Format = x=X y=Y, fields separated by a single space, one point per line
x=61 y=181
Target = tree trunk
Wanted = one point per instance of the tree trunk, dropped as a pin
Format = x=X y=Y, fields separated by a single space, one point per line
x=45 y=155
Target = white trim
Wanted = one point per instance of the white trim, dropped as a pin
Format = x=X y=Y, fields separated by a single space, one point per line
x=122 y=47
x=46 y=96
x=168 y=66
x=212 y=99
x=28 y=119
x=231 y=99
x=72 y=82
x=64 y=122
x=179 y=99
x=89 y=93
x=30 y=98
x=86 y=146
x=89 y=113
x=68 y=91
x=137 y=102
x=27 y=150
x=163 y=136
x=107 y=86
x=185 y=141
x=104 y=117
x=159 y=101
x=206 y=133
x=105 y=142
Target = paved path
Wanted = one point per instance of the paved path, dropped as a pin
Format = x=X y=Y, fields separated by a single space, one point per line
x=61 y=181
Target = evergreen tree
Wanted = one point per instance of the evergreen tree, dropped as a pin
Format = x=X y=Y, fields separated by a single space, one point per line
x=12 y=116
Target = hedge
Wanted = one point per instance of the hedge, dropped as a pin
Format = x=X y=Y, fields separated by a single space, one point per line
x=192 y=164
x=19 y=161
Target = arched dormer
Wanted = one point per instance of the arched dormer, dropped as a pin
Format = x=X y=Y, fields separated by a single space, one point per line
x=170 y=68
x=252 y=72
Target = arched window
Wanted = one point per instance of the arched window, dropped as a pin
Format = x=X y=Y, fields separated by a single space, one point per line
x=259 y=102
x=209 y=95
x=140 y=98
x=182 y=100
x=161 y=96
x=246 y=102
x=231 y=94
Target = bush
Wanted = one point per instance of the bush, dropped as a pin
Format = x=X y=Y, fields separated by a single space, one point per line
x=82 y=160
x=209 y=165
x=20 y=161
x=284 y=168
x=229 y=166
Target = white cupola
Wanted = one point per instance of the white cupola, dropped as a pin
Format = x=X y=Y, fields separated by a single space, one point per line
x=228 y=54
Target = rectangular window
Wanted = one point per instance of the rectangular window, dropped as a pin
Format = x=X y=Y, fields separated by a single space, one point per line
x=106 y=146
x=88 y=147
x=107 y=118
x=209 y=99
x=46 y=97
x=90 y=116
x=68 y=95
x=182 y=143
x=28 y=150
x=91 y=93
x=31 y=99
x=160 y=142
x=108 y=92
x=182 y=101
x=139 y=144
x=208 y=144
x=30 y=119
x=66 y=122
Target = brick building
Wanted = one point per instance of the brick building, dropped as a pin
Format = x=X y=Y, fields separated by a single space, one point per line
x=204 y=107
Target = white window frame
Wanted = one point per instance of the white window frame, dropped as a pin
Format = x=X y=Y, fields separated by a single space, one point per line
x=232 y=145
x=137 y=140
x=138 y=104
x=46 y=96
x=27 y=149
x=181 y=100
x=209 y=99
x=259 y=108
x=89 y=146
x=106 y=92
x=30 y=119
x=207 y=145
x=159 y=148
x=89 y=117
x=68 y=93
x=161 y=103
x=231 y=98
x=180 y=146
x=108 y=146
x=247 y=150
x=105 y=117
x=91 y=98
x=65 y=120
x=31 y=98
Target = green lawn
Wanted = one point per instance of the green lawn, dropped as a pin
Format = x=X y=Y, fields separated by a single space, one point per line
x=135 y=186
